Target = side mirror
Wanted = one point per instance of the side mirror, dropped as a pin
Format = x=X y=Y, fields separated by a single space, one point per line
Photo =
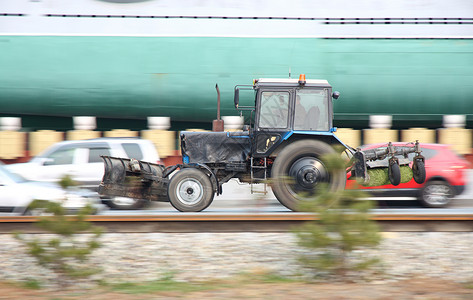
x=47 y=161
x=236 y=98
x=335 y=95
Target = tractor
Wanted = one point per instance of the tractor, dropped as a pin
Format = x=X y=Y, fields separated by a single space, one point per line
x=290 y=130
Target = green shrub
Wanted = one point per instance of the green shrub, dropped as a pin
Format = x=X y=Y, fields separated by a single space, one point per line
x=66 y=253
x=342 y=225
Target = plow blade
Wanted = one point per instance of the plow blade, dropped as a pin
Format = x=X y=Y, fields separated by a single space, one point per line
x=133 y=179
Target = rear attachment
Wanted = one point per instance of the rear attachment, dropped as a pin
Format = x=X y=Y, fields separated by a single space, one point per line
x=372 y=162
x=133 y=179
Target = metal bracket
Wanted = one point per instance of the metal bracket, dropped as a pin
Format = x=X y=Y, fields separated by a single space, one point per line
x=213 y=177
x=361 y=172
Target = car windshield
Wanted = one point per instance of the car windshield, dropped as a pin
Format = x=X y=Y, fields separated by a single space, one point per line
x=12 y=176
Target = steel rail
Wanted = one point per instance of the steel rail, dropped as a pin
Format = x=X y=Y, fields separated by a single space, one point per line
x=256 y=222
x=185 y=217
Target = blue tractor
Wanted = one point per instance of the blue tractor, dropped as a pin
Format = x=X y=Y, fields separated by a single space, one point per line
x=290 y=130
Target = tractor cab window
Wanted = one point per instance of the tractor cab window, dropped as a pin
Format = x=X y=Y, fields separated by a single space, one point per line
x=274 y=110
x=311 y=110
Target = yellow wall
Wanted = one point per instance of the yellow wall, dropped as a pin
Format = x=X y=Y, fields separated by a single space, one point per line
x=375 y=136
x=120 y=133
x=163 y=140
x=83 y=134
x=12 y=144
x=459 y=138
x=349 y=136
x=423 y=135
x=41 y=139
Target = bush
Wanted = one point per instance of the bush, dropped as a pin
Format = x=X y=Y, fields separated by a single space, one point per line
x=342 y=225
x=65 y=253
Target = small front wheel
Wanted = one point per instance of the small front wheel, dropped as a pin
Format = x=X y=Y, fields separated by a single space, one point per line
x=418 y=171
x=394 y=173
x=190 y=190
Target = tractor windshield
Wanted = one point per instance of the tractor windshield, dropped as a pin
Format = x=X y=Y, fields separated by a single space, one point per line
x=311 y=110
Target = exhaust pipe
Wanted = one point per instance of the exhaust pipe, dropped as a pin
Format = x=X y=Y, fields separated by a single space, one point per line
x=218 y=125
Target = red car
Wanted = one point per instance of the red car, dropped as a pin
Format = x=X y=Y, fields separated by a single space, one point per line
x=445 y=177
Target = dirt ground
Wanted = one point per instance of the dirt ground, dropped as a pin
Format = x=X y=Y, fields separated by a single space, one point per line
x=408 y=289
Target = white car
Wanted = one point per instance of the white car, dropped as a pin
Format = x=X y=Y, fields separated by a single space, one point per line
x=17 y=193
x=81 y=160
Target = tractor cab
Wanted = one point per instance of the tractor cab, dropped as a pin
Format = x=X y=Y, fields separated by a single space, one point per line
x=291 y=104
x=284 y=107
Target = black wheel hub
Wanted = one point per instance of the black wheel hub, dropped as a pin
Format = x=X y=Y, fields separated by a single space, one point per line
x=190 y=191
x=307 y=177
x=307 y=173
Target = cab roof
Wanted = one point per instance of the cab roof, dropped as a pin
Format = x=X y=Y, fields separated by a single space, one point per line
x=290 y=82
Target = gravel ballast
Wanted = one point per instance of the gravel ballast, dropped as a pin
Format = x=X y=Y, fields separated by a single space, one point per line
x=137 y=257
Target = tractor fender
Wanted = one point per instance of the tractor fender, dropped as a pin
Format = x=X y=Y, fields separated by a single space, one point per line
x=213 y=177
x=326 y=137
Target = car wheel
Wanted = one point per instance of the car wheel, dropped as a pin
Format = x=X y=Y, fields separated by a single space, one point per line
x=37 y=212
x=190 y=190
x=436 y=194
x=124 y=203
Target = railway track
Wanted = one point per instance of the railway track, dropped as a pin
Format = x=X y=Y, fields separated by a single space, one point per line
x=246 y=222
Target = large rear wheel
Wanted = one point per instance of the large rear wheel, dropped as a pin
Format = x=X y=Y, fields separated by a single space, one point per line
x=190 y=190
x=299 y=173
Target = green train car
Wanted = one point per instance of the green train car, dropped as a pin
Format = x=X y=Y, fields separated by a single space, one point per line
x=123 y=61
